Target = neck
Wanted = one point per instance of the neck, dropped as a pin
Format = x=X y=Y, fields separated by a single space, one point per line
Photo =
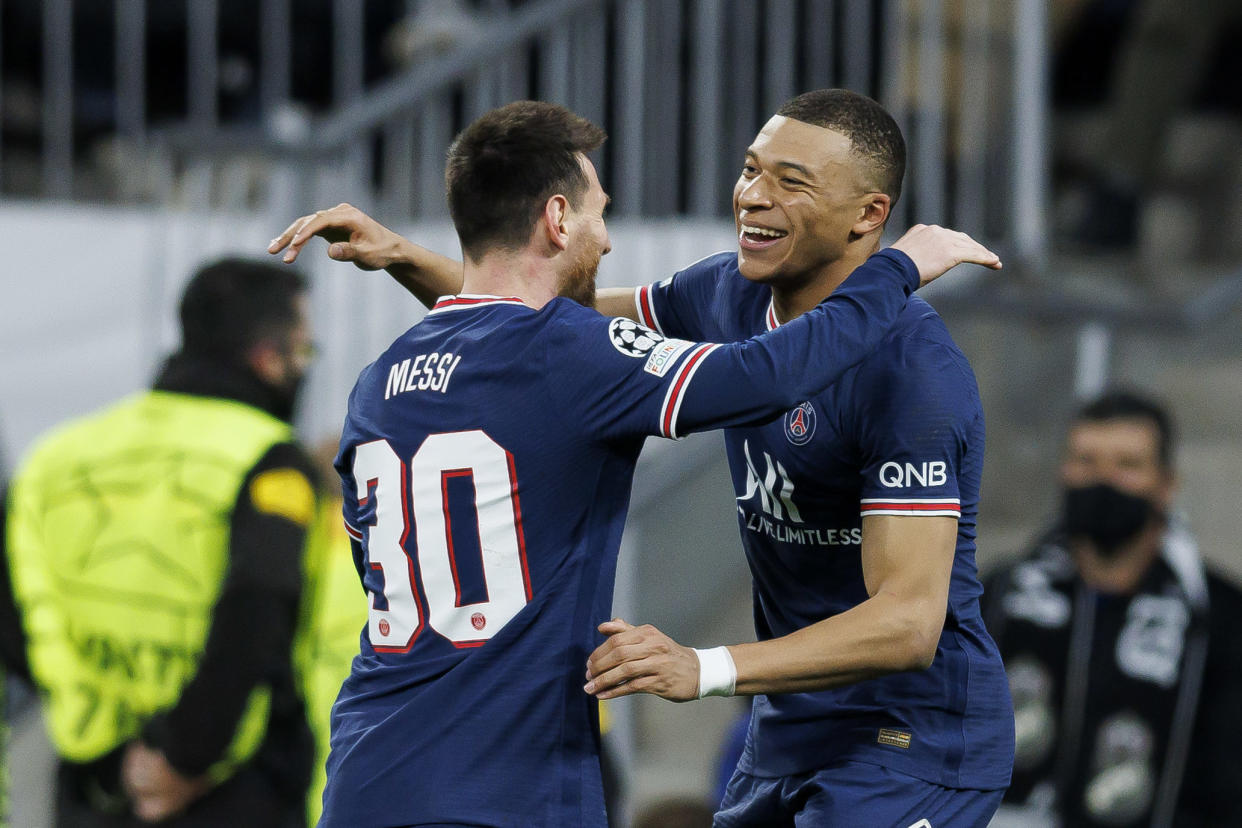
x=1121 y=572
x=522 y=275
x=793 y=297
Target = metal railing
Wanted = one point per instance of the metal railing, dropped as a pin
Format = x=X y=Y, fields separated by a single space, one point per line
x=681 y=86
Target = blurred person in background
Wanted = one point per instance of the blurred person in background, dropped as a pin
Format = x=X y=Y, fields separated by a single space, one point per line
x=155 y=550
x=1122 y=651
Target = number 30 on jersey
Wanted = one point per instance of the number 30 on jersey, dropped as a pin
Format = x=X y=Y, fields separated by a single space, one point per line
x=396 y=616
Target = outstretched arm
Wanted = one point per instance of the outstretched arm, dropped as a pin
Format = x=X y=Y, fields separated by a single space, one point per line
x=353 y=236
x=754 y=380
x=907 y=563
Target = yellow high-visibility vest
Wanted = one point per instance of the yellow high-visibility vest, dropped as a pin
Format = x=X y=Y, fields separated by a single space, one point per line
x=119 y=543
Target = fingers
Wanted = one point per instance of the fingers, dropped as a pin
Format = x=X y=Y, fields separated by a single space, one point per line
x=627 y=677
x=936 y=250
x=614 y=626
x=970 y=251
x=278 y=244
x=334 y=224
x=306 y=229
x=614 y=653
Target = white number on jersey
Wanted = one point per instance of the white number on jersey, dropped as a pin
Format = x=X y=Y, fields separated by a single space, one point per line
x=470 y=454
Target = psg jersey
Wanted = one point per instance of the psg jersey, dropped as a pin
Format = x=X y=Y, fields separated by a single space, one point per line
x=901 y=433
x=486 y=463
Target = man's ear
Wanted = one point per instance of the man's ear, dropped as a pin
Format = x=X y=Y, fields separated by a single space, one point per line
x=554 y=221
x=873 y=214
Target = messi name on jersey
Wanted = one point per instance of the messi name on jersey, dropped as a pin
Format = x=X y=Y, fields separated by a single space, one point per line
x=425 y=372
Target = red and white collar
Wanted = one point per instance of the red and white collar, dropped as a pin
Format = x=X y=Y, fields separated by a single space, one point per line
x=770 y=316
x=471 y=300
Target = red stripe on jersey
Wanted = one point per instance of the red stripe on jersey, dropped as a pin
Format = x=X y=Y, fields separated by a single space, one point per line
x=644 y=307
x=772 y=323
x=517 y=523
x=680 y=383
x=900 y=506
x=352 y=532
x=459 y=301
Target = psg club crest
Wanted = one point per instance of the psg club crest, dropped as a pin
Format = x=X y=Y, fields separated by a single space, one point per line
x=800 y=424
x=631 y=338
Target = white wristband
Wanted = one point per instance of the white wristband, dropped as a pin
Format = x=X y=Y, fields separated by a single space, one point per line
x=717 y=673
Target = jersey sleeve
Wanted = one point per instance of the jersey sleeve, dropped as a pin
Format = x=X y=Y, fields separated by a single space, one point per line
x=916 y=413
x=626 y=380
x=679 y=306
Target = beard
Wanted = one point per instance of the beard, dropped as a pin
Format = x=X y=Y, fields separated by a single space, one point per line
x=578 y=283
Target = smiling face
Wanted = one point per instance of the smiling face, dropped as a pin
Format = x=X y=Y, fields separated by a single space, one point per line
x=803 y=197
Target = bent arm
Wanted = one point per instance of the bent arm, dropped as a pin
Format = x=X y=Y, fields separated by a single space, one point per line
x=353 y=236
x=907 y=565
x=617 y=302
x=425 y=274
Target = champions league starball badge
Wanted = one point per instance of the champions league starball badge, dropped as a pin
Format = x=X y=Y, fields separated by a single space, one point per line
x=800 y=424
x=631 y=338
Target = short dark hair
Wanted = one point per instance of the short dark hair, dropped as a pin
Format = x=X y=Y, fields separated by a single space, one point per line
x=503 y=168
x=873 y=133
x=232 y=304
x=1125 y=404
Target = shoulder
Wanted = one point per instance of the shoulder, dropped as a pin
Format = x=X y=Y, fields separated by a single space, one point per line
x=66 y=437
x=283 y=484
x=713 y=266
x=288 y=454
x=920 y=359
x=583 y=333
x=918 y=326
x=715 y=275
x=1048 y=556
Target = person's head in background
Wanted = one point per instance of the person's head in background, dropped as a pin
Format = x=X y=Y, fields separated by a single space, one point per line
x=1119 y=482
x=247 y=317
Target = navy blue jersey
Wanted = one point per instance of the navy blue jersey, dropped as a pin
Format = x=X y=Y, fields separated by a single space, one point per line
x=486 y=462
x=901 y=433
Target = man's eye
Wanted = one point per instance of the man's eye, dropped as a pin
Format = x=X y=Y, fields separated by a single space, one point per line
x=749 y=169
x=793 y=181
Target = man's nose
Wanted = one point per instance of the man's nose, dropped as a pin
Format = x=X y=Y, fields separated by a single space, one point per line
x=755 y=193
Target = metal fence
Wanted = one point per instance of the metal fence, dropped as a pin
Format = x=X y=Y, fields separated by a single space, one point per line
x=265 y=118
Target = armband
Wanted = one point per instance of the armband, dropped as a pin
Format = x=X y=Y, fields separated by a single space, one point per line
x=717 y=673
